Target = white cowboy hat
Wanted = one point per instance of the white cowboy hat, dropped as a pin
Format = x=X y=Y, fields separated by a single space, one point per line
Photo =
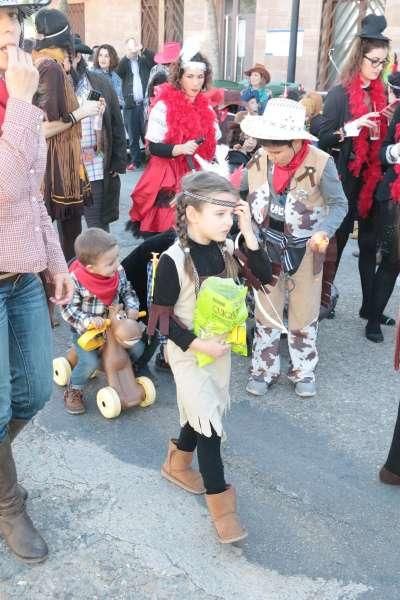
x=283 y=119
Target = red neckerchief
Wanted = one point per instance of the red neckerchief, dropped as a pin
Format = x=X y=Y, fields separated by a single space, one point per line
x=104 y=288
x=188 y=120
x=3 y=100
x=395 y=186
x=282 y=175
x=366 y=152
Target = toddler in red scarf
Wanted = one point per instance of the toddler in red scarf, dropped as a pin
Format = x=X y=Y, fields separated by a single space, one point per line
x=99 y=281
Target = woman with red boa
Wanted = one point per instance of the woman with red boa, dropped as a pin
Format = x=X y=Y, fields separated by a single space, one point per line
x=353 y=131
x=181 y=123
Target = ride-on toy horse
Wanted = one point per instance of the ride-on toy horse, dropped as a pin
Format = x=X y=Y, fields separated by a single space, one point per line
x=124 y=390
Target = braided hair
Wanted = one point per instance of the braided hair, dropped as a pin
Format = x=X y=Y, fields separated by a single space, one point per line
x=199 y=184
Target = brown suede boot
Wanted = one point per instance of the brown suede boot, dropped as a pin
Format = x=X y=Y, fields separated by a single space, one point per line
x=177 y=469
x=16 y=526
x=15 y=426
x=222 y=508
x=388 y=477
x=73 y=401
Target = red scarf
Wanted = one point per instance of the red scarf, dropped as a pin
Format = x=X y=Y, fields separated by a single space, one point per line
x=104 y=288
x=366 y=161
x=283 y=174
x=3 y=100
x=189 y=120
x=395 y=186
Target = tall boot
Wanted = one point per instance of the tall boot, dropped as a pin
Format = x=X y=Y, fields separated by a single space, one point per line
x=177 y=469
x=222 y=508
x=15 y=426
x=16 y=526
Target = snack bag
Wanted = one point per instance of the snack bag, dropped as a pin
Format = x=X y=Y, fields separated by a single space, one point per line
x=221 y=313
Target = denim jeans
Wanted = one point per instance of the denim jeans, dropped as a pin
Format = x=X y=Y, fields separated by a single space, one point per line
x=89 y=361
x=134 y=123
x=25 y=350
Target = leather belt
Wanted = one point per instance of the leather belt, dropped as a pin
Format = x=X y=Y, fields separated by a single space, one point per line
x=8 y=277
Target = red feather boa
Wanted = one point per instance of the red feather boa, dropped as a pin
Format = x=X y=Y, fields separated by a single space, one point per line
x=366 y=162
x=395 y=187
x=189 y=120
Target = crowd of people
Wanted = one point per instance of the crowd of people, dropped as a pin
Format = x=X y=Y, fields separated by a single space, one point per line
x=271 y=207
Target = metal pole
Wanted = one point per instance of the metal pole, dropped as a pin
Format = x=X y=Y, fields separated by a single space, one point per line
x=294 y=25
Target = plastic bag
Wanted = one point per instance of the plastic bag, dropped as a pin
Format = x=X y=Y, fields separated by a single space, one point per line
x=221 y=312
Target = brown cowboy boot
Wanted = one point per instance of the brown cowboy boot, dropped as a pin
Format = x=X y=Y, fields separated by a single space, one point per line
x=15 y=426
x=177 y=469
x=73 y=401
x=16 y=526
x=222 y=508
x=388 y=477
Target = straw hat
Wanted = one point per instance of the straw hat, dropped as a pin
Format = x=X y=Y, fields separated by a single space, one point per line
x=283 y=119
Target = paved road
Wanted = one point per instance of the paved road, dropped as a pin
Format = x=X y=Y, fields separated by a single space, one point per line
x=320 y=525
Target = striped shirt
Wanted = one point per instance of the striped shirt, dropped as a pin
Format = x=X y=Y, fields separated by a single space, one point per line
x=28 y=241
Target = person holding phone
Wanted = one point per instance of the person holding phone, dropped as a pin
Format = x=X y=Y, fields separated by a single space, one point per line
x=29 y=247
x=103 y=141
x=66 y=183
x=181 y=124
x=352 y=131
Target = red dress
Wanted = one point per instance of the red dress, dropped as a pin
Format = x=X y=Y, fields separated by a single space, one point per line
x=151 y=211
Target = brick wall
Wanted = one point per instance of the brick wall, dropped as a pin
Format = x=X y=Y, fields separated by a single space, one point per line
x=277 y=16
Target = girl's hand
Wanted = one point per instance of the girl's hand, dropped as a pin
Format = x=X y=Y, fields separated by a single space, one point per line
x=210 y=347
x=242 y=211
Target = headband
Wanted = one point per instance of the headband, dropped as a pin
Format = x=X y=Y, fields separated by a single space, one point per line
x=210 y=200
x=194 y=64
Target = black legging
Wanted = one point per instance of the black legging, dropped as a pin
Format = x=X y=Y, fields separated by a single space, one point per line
x=208 y=455
x=388 y=232
x=393 y=459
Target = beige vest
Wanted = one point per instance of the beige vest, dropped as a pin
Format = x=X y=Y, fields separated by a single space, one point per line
x=305 y=207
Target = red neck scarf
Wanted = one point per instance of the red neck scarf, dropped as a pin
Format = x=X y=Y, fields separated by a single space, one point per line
x=282 y=175
x=395 y=187
x=104 y=288
x=3 y=100
x=366 y=152
x=189 y=120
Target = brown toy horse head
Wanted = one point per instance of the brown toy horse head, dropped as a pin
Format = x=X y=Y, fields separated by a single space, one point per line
x=125 y=331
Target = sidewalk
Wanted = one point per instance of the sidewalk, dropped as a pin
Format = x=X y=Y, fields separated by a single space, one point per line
x=320 y=525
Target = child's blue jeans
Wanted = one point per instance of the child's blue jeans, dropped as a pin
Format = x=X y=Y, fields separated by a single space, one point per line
x=89 y=361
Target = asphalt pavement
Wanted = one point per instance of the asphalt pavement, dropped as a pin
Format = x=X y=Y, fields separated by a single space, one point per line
x=321 y=526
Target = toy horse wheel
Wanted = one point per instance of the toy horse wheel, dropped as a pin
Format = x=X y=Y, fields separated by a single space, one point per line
x=149 y=391
x=108 y=402
x=61 y=371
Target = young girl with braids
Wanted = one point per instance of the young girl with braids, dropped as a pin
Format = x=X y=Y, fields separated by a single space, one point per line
x=205 y=210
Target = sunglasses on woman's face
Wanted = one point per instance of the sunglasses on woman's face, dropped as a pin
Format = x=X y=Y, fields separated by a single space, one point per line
x=376 y=62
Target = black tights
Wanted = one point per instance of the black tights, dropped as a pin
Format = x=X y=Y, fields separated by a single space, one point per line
x=376 y=284
x=208 y=455
x=393 y=459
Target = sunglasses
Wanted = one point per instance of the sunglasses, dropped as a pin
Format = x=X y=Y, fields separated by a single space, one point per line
x=376 y=62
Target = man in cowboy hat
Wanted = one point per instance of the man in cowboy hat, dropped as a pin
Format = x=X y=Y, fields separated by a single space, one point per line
x=297 y=203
